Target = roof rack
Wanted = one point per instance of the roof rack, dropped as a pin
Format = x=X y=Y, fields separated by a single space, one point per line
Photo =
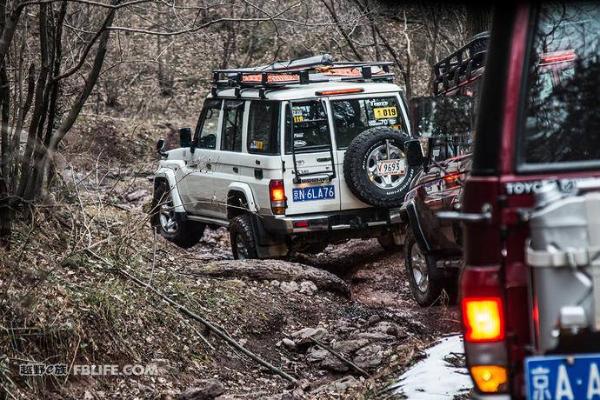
x=282 y=74
x=459 y=66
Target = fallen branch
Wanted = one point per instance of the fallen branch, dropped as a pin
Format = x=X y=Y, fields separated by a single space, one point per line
x=274 y=270
x=341 y=357
x=217 y=331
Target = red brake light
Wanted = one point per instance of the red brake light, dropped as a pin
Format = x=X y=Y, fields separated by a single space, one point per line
x=452 y=180
x=276 y=190
x=483 y=319
x=277 y=196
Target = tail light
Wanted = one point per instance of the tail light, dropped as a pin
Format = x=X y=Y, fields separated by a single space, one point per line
x=277 y=196
x=489 y=378
x=452 y=180
x=484 y=324
x=483 y=319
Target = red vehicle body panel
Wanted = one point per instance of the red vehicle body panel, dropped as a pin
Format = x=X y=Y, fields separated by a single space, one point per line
x=500 y=242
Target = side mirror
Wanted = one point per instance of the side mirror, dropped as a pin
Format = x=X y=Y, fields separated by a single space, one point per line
x=185 y=137
x=160 y=147
x=414 y=154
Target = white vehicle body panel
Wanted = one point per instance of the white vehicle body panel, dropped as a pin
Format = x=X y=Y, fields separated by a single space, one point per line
x=202 y=180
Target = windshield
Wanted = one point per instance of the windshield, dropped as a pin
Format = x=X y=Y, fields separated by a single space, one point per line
x=562 y=122
x=353 y=116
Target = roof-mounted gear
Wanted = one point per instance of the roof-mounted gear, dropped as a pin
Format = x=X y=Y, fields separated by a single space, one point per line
x=282 y=74
x=461 y=66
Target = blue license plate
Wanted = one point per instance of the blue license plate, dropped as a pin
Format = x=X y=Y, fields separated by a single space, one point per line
x=561 y=377
x=314 y=193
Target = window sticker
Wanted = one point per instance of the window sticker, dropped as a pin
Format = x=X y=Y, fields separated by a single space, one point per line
x=383 y=112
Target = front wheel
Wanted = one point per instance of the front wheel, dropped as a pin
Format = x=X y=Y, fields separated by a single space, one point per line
x=242 y=238
x=424 y=281
x=171 y=225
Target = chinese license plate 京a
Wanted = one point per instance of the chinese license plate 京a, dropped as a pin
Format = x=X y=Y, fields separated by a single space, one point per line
x=391 y=167
x=311 y=193
x=563 y=377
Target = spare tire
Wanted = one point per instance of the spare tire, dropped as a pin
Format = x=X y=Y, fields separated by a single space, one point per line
x=376 y=183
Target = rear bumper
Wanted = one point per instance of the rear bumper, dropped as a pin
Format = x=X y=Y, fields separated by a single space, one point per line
x=332 y=222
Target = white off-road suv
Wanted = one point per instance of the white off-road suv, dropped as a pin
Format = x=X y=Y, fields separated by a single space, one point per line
x=290 y=157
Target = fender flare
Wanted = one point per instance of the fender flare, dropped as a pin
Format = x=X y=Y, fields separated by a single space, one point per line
x=247 y=191
x=415 y=225
x=169 y=175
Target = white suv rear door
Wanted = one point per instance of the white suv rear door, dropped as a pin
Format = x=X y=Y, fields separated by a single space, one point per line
x=308 y=159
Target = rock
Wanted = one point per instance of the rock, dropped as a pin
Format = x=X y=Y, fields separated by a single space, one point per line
x=289 y=287
x=136 y=195
x=206 y=389
x=333 y=363
x=349 y=346
x=87 y=395
x=340 y=386
x=316 y=354
x=306 y=334
x=275 y=283
x=308 y=288
x=369 y=357
x=386 y=327
x=289 y=343
x=373 y=319
x=374 y=336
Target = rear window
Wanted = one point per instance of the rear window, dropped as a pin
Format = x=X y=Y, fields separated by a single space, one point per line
x=561 y=122
x=311 y=130
x=263 y=121
x=353 y=116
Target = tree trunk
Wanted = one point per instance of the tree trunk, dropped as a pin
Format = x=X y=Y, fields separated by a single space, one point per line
x=90 y=82
x=274 y=270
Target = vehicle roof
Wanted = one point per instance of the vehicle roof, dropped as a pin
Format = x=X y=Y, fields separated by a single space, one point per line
x=304 y=91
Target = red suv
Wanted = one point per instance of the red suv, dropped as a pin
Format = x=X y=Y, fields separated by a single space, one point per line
x=530 y=287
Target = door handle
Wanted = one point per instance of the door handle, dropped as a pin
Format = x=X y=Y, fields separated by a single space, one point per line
x=236 y=169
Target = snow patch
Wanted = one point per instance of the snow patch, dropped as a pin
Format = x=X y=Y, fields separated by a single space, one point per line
x=434 y=378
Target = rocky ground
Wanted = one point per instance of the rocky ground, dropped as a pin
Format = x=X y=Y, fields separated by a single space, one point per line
x=63 y=300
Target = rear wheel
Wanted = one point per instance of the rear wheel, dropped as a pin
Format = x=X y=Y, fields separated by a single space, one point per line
x=425 y=283
x=172 y=225
x=242 y=238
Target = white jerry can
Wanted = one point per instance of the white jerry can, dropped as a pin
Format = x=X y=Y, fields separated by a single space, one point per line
x=564 y=258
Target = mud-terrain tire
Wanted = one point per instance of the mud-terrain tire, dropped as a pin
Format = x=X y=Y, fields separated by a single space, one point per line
x=425 y=281
x=172 y=225
x=242 y=238
x=360 y=162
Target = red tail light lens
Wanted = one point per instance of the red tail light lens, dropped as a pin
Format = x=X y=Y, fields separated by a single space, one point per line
x=277 y=196
x=452 y=180
x=483 y=319
x=276 y=190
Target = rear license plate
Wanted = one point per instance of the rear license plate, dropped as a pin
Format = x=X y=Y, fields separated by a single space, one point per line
x=314 y=193
x=391 y=167
x=563 y=377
